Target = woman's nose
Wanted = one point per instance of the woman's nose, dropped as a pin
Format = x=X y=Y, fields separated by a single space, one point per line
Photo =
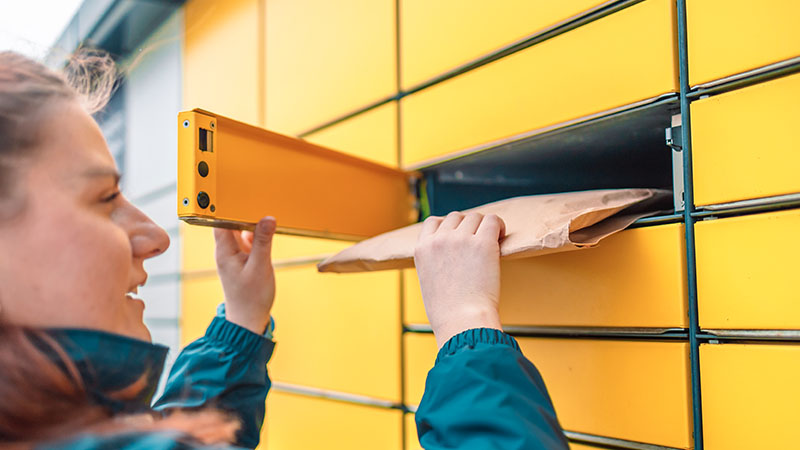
x=147 y=238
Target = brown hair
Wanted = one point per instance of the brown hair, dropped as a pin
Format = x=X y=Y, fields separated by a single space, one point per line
x=43 y=395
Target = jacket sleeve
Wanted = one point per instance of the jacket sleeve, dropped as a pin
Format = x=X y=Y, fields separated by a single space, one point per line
x=225 y=369
x=482 y=393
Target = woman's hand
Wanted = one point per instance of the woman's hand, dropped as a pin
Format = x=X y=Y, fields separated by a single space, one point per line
x=458 y=264
x=245 y=268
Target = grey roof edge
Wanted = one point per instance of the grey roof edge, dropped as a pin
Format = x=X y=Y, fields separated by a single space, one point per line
x=116 y=26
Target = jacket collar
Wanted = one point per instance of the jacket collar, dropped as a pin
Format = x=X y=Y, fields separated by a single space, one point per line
x=109 y=363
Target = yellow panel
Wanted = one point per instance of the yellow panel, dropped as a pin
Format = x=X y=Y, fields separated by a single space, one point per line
x=199 y=300
x=371 y=135
x=573 y=446
x=338 y=332
x=412 y=441
x=638 y=391
x=296 y=422
x=633 y=279
x=220 y=58
x=438 y=36
x=747 y=271
x=326 y=59
x=197 y=245
x=750 y=396
x=744 y=143
x=617 y=60
x=419 y=356
x=728 y=37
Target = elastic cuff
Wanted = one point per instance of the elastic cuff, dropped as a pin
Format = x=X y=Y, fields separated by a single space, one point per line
x=470 y=338
x=240 y=338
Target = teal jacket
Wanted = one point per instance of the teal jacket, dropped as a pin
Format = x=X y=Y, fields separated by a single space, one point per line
x=482 y=393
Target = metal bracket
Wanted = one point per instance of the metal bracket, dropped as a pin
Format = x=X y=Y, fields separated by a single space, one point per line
x=673 y=141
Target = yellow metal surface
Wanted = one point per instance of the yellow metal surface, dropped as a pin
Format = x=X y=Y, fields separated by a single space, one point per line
x=747 y=271
x=371 y=135
x=325 y=59
x=633 y=279
x=412 y=441
x=311 y=190
x=338 y=332
x=197 y=247
x=199 y=300
x=750 y=396
x=744 y=143
x=630 y=390
x=296 y=422
x=728 y=37
x=221 y=57
x=573 y=446
x=617 y=60
x=441 y=35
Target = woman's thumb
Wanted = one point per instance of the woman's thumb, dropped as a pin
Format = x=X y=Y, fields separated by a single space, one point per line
x=262 y=240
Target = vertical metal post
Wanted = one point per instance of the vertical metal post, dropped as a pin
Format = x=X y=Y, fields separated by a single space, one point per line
x=688 y=190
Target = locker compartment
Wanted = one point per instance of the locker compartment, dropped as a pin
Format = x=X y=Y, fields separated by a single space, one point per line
x=438 y=36
x=338 y=333
x=747 y=271
x=750 y=395
x=199 y=300
x=744 y=142
x=325 y=59
x=412 y=441
x=632 y=390
x=617 y=60
x=371 y=135
x=297 y=422
x=220 y=57
x=728 y=37
x=633 y=279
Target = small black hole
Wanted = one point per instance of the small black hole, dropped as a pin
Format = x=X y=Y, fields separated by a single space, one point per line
x=206 y=140
x=213 y=208
x=203 y=200
x=202 y=169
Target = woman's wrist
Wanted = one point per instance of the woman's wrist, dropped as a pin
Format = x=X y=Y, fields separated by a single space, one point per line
x=465 y=319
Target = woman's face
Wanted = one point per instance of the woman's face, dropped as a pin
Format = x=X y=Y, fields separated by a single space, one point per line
x=76 y=248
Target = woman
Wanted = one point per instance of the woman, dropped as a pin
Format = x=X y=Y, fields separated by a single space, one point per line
x=78 y=368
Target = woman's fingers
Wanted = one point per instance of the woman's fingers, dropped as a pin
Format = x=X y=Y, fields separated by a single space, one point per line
x=470 y=223
x=492 y=227
x=452 y=221
x=430 y=225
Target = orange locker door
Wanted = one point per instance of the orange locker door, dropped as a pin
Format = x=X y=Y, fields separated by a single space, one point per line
x=231 y=174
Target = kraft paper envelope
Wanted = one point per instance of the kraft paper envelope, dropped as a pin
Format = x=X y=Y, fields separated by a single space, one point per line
x=535 y=225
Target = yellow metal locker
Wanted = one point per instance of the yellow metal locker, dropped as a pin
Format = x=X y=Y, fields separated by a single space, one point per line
x=325 y=59
x=744 y=142
x=633 y=390
x=412 y=441
x=633 y=279
x=220 y=57
x=727 y=37
x=747 y=271
x=441 y=35
x=617 y=60
x=338 y=333
x=750 y=395
x=371 y=135
x=199 y=300
x=297 y=422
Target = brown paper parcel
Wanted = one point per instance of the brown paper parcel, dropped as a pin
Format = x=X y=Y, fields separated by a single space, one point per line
x=535 y=225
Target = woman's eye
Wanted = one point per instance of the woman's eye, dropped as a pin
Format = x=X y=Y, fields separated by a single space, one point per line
x=111 y=197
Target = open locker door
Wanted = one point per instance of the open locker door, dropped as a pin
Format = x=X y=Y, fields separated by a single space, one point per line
x=230 y=174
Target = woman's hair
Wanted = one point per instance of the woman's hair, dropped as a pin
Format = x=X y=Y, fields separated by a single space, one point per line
x=42 y=395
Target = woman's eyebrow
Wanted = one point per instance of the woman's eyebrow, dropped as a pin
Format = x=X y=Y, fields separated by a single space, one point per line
x=103 y=172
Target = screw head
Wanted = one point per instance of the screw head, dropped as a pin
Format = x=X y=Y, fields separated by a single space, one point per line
x=185 y=124
x=212 y=125
x=185 y=202
x=213 y=208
